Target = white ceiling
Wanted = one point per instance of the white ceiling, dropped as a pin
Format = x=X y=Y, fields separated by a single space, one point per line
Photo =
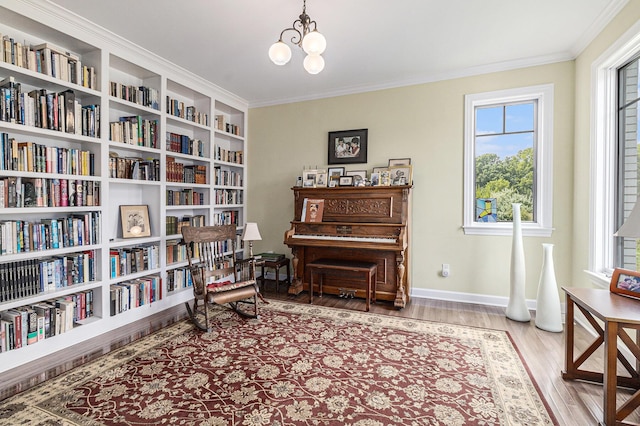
x=371 y=44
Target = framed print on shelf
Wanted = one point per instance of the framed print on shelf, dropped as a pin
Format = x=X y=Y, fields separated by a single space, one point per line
x=309 y=178
x=400 y=175
x=346 y=181
x=625 y=282
x=385 y=178
x=336 y=171
x=348 y=146
x=321 y=180
x=135 y=221
x=375 y=179
x=379 y=169
x=334 y=181
x=399 y=162
x=359 y=177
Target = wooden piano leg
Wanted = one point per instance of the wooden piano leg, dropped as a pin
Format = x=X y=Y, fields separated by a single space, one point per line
x=296 y=285
x=401 y=297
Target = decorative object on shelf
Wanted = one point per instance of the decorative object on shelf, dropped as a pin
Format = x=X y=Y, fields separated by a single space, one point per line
x=135 y=221
x=251 y=234
x=348 y=146
x=399 y=162
x=625 y=282
x=359 y=177
x=310 y=40
x=517 y=306
x=548 y=312
x=401 y=175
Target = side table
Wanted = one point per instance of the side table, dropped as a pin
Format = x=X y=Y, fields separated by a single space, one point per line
x=276 y=265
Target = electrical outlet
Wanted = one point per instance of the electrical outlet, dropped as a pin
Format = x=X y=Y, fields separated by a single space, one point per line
x=445 y=270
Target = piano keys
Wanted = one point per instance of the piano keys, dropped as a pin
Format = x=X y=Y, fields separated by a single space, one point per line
x=359 y=223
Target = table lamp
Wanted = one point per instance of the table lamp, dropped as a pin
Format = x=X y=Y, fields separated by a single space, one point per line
x=251 y=234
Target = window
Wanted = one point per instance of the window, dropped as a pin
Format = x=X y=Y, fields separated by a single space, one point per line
x=614 y=155
x=508 y=159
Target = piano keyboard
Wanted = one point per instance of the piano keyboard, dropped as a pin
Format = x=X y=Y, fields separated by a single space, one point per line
x=346 y=238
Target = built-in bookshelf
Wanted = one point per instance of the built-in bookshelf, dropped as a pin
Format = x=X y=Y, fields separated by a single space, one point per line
x=88 y=124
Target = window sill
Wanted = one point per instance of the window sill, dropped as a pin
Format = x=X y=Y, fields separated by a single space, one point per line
x=528 y=230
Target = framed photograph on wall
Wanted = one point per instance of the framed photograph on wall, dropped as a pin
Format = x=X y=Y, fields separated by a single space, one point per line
x=625 y=282
x=400 y=175
x=135 y=221
x=348 y=146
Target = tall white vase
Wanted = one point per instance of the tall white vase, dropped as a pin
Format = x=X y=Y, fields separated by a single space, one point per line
x=548 y=315
x=517 y=306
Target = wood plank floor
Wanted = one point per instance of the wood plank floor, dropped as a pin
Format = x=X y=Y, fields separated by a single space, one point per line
x=573 y=403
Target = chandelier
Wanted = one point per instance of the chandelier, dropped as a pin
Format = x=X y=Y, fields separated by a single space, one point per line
x=310 y=40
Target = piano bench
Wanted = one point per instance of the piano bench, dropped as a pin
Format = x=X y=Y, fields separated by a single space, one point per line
x=341 y=267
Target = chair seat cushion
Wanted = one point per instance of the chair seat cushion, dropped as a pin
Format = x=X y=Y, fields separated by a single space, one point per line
x=228 y=285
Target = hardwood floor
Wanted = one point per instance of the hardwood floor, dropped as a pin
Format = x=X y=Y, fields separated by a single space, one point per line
x=573 y=403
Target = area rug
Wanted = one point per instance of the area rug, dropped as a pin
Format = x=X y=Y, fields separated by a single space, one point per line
x=295 y=365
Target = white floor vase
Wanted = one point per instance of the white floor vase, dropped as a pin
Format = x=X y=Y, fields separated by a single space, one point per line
x=548 y=312
x=517 y=307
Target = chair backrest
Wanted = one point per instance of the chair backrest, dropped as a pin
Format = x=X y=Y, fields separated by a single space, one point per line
x=211 y=250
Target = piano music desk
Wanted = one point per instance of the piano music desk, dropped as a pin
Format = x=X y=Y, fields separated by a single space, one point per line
x=342 y=267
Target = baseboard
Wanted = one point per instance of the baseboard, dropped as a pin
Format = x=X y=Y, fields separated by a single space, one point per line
x=479 y=299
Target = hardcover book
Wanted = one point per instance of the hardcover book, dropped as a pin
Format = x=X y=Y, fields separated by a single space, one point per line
x=312 y=210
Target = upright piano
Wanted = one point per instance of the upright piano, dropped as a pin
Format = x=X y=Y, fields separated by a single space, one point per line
x=368 y=223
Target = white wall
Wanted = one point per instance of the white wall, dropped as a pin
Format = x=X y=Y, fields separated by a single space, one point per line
x=424 y=122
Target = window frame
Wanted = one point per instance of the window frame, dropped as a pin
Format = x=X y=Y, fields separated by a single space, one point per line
x=543 y=160
x=604 y=142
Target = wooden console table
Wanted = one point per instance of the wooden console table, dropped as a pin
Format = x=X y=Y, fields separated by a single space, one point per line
x=617 y=313
x=343 y=267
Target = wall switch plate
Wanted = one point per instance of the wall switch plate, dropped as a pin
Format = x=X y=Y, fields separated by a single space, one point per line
x=445 y=270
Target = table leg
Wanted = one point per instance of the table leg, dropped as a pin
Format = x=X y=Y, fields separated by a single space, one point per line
x=262 y=276
x=277 y=268
x=288 y=272
x=610 y=372
x=368 y=277
x=310 y=285
x=569 y=366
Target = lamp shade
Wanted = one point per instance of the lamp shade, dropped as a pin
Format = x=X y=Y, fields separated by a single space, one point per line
x=313 y=64
x=251 y=232
x=279 y=53
x=631 y=227
x=314 y=43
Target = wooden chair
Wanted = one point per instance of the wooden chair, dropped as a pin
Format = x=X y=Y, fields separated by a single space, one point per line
x=218 y=277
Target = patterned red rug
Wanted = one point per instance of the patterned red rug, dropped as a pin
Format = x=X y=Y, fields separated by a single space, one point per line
x=296 y=365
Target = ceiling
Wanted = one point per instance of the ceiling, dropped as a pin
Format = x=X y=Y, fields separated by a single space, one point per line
x=371 y=44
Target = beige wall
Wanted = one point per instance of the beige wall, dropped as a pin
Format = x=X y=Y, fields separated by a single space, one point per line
x=424 y=122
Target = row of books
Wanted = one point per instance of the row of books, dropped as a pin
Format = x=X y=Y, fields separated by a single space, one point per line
x=184 y=144
x=226 y=217
x=40 y=158
x=130 y=260
x=61 y=112
x=29 y=324
x=135 y=293
x=228 y=196
x=185 y=197
x=135 y=168
x=178 y=279
x=18 y=192
x=225 y=155
x=176 y=252
x=227 y=177
x=179 y=172
x=50 y=60
x=220 y=123
x=75 y=230
x=174 y=224
x=178 y=109
x=140 y=95
x=135 y=130
x=29 y=277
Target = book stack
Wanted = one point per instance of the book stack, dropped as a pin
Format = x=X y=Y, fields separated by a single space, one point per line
x=270 y=257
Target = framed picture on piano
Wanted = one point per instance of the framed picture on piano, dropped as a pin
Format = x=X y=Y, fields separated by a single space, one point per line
x=348 y=146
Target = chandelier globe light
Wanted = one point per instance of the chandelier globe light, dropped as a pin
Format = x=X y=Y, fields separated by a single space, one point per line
x=306 y=36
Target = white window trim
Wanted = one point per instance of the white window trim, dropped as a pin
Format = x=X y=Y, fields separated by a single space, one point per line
x=544 y=161
x=604 y=72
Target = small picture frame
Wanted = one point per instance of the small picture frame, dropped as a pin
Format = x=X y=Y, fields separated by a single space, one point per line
x=400 y=175
x=359 y=177
x=309 y=178
x=336 y=171
x=321 y=180
x=375 y=179
x=379 y=169
x=346 y=181
x=625 y=282
x=135 y=221
x=334 y=181
x=399 y=162
x=385 y=178
x=348 y=146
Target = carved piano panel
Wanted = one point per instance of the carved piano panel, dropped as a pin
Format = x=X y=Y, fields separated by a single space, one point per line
x=359 y=223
